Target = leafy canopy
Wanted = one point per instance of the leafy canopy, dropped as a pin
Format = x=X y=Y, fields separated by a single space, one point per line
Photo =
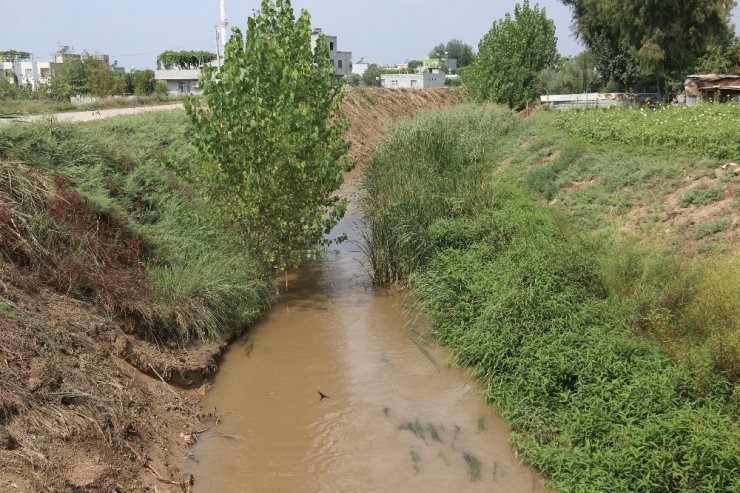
x=573 y=75
x=511 y=56
x=663 y=39
x=371 y=77
x=14 y=56
x=459 y=50
x=184 y=59
x=271 y=142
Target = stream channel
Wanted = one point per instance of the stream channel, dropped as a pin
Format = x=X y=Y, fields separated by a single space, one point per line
x=397 y=418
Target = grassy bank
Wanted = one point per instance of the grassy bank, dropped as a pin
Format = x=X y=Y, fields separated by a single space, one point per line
x=102 y=218
x=565 y=312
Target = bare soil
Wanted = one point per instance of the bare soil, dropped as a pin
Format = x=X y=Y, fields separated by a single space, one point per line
x=86 y=403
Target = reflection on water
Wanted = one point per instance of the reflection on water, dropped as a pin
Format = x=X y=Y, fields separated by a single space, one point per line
x=397 y=417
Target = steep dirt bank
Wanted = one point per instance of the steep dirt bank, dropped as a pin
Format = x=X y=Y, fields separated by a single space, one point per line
x=372 y=109
x=83 y=401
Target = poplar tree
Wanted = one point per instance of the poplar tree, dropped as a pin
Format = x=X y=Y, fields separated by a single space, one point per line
x=512 y=55
x=271 y=142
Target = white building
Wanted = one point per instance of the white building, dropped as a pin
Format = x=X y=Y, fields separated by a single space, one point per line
x=586 y=100
x=360 y=68
x=179 y=81
x=427 y=79
x=342 y=60
x=27 y=73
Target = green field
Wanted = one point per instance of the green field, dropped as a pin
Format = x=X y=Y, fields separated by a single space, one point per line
x=571 y=272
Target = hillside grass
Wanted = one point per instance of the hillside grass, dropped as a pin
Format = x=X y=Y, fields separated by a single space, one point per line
x=612 y=352
x=111 y=224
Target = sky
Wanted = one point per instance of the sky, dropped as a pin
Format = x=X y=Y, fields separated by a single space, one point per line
x=134 y=32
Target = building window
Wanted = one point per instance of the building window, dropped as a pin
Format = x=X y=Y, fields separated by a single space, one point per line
x=339 y=64
x=185 y=87
x=413 y=82
x=394 y=83
x=331 y=45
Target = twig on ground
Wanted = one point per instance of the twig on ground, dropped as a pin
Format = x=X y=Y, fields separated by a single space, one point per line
x=167 y=386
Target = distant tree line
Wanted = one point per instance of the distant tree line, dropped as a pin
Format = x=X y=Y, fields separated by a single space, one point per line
x=632 y=45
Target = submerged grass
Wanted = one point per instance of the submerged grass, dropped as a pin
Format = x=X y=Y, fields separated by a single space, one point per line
x=198 y=280
x=561 y=323
x=474 y=466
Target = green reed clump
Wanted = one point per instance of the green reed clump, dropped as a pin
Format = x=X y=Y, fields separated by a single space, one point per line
x=442 y=153
x=524 y=298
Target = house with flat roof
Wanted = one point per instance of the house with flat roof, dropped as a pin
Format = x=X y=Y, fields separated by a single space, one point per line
x=423 y=80
x=342 y=60
x=179 y=81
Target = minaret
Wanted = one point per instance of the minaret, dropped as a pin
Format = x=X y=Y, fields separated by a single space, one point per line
x=224 y=25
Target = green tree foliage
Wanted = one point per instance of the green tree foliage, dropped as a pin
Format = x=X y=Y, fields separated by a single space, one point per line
x=615 y=63
x=511 y=56
x=720 y=59
x=371 y=77
x=415 y=64
x=70 y=79
x=184 y=59
x=101 y=81
x=573 y=75
x=459 y=50
x=14 y=56
x=8 y=89
x=664 y=38
x=143 y=82
x=272 y=145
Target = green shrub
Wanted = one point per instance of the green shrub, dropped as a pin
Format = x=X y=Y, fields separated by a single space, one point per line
x=702 y=195
x=711 y=227
x=443 y=154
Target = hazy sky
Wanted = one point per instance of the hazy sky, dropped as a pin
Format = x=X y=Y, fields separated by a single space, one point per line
x=134 y=32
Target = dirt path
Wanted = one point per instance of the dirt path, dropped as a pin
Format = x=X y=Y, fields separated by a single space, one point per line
x=88 y=116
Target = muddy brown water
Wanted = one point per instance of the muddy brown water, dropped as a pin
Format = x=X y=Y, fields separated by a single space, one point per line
x=398 y=417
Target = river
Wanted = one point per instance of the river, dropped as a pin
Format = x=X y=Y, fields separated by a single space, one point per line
x=397 y=416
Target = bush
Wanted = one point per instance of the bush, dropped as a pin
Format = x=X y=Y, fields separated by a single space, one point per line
x=702 y=195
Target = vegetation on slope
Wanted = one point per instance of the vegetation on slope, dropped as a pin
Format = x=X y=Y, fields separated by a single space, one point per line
x=559 y=321
x=703 y=130
x=106 y=221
